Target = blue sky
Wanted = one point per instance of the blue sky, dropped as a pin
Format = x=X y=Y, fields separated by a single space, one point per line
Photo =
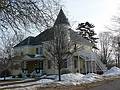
x=98 y=12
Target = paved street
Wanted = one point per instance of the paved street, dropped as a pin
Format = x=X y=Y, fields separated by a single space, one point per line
x=112 y=85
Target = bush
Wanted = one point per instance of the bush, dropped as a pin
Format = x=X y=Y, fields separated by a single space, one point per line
x=33 y=76
x=65 y=71
x=13 y=76
x=5 y=73
x=19 y=75
x=28 y=75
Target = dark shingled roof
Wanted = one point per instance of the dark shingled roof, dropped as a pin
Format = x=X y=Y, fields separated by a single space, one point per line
x=48 y=34
x=61 y=19
x=45 y=35
x=28 y=41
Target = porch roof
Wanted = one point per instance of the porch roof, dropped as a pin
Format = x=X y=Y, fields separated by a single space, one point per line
x=87 y=56
x=27 y=58
x=33 y=57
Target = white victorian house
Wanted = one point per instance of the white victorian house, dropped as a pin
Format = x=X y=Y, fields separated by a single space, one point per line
x=29 y=55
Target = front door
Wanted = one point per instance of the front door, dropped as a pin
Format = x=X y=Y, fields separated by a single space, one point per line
x=35 y=65
x=39 y=68
x=31 y=65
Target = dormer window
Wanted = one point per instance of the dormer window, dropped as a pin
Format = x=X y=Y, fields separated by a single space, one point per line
x=40 y=50
x=37 y=51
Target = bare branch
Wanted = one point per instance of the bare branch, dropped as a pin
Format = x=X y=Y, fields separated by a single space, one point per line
x=26 y=14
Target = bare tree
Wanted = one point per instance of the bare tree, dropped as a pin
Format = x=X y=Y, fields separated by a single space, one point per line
x=105 y=45
x=8 y=40
x=59 y=48
x=116 y=48
x=16 y=14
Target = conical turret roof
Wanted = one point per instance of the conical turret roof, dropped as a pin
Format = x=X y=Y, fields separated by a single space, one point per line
x=61 y=18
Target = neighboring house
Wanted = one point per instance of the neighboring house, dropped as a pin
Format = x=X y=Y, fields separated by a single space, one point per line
x=29 y=55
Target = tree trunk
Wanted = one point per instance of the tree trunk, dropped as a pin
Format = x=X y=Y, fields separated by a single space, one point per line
x=4 y=76
x=59 y=73
x=118 y=60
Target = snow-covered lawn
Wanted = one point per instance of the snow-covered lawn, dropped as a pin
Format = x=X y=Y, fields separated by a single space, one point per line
x=91 y=77
x=68 y=79
x=45 y=81
x=8 y=78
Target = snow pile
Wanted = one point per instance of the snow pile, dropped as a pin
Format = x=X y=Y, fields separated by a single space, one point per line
x=91 y=77
x=67 y=79
x=7 y=78
x=114 y=71
x=45 y=81
x=52 y=76
x=71 y=77
x=68 y=83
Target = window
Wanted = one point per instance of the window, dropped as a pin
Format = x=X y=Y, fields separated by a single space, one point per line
x=41 y=51
x=21 y=53
x=75 y=63
x=37 y=51
x=75 y=47
x=49 y=64
x=41 y=64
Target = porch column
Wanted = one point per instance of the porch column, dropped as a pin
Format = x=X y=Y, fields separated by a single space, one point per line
x=91 y=66
x=85 y=67
x=95 y=67
x=78 y=64
x=23 y=65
